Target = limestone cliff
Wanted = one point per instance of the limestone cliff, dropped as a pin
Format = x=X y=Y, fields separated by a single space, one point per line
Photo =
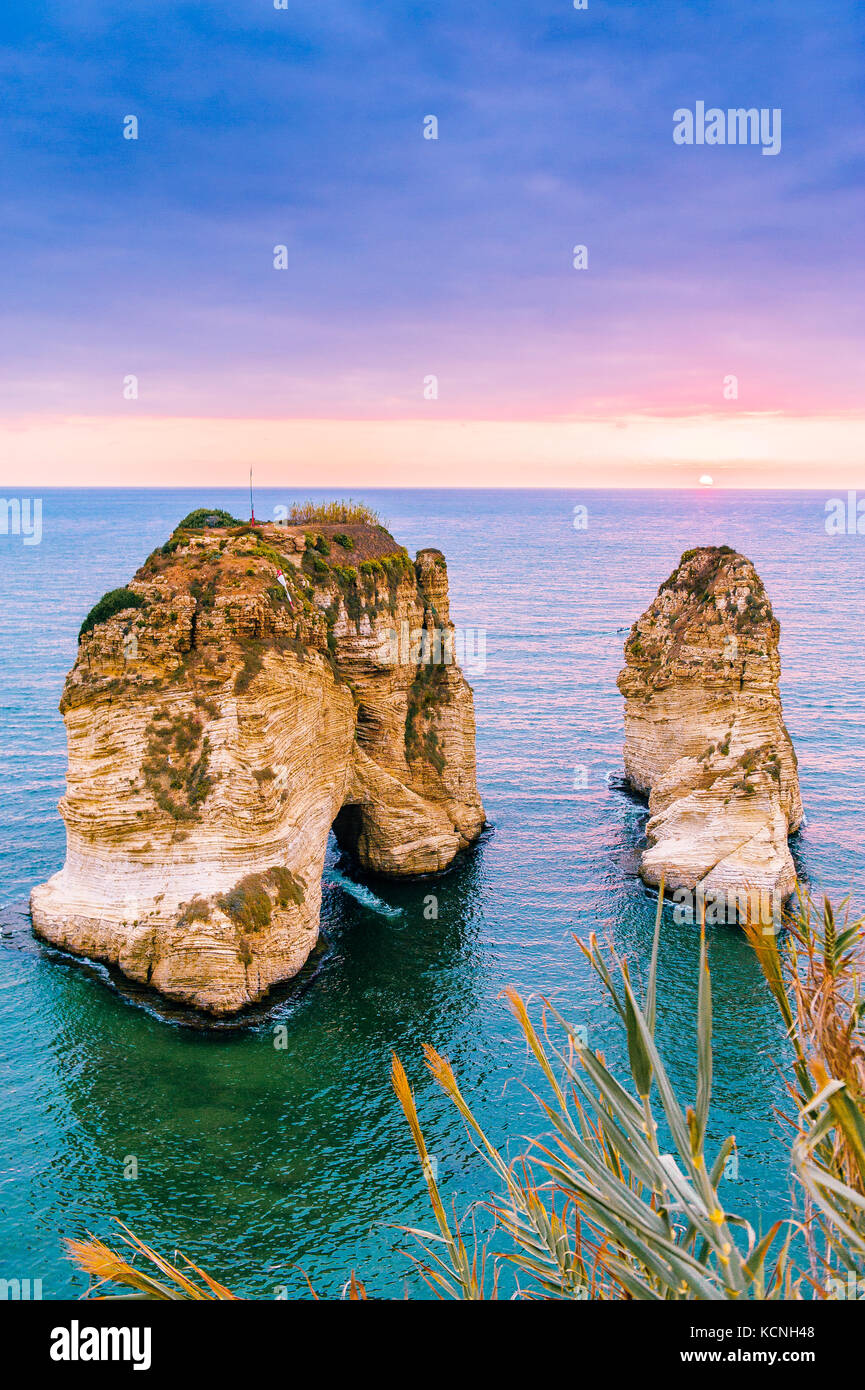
x=221 y=720
x=705 y=735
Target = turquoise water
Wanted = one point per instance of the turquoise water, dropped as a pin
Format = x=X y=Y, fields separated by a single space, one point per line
x=260 y=1162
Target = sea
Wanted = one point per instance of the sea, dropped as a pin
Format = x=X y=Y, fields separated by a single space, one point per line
x=274 y=1154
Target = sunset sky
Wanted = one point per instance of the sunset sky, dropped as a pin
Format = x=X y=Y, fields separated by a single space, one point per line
x=410 y=257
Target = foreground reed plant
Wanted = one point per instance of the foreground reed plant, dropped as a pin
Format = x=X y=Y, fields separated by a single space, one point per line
x=180 y=1279
x=818 y=988
x=620 y=1199
x=597 y=1210
x=600 y=1209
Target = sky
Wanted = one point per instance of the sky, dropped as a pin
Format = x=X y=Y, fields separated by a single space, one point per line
x=429 y=326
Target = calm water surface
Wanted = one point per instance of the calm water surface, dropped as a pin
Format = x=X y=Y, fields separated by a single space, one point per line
x=257 y=1161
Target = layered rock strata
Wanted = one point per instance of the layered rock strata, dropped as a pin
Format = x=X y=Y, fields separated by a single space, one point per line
x=246 y=694
x=705 y=738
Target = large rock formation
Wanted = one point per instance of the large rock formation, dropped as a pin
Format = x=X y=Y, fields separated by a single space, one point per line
x=221 y=722
x=705 y=736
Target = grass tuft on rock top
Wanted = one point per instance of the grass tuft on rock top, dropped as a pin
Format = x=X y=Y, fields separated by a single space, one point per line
x=333 y=513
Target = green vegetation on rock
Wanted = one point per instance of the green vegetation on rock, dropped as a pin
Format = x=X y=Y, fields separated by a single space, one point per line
x=176 y=763
x=205 y=518
x=250 y=903
x=115 y=601
x=253 y=662
x=425 y=695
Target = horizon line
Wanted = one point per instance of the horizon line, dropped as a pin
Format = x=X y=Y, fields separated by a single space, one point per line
x=418 y=487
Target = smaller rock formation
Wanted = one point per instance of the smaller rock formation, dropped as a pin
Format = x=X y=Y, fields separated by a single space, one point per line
x=705 y=738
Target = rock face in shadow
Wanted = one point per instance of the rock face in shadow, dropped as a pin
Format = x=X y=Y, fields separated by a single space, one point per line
x=705 y=736
x=221 y=722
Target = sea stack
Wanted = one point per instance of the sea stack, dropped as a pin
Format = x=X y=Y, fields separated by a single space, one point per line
x=252 y=688
x=705 y=739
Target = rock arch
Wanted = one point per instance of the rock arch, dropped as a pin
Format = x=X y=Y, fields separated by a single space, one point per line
x=204 y=776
